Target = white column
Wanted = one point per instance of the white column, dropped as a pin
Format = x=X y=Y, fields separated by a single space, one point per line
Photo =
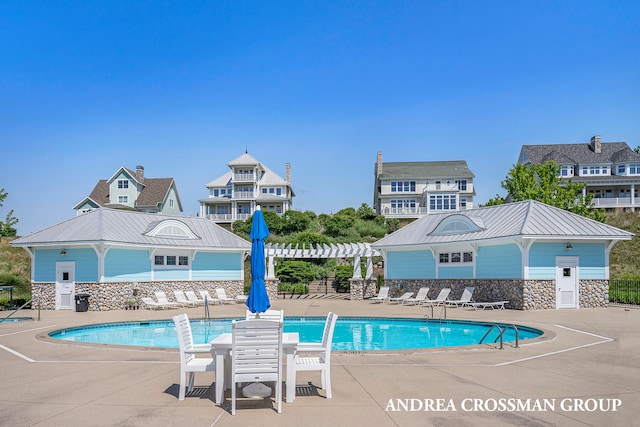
x=357 y=271
x=271 y=273
x=369 y=265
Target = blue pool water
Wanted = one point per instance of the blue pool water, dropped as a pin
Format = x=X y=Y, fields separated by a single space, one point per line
x=350 y=334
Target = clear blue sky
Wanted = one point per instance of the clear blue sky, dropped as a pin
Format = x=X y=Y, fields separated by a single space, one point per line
x=184 y=87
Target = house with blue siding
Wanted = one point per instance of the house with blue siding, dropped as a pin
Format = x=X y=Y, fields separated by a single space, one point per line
x=115 y=255
x=528 y=253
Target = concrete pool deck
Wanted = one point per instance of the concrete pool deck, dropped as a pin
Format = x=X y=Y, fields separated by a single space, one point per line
x=587 y=365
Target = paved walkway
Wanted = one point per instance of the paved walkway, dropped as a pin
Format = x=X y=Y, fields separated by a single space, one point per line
x=586 y=366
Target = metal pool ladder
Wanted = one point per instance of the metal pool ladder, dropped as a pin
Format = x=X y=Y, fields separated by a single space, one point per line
x=501 y=333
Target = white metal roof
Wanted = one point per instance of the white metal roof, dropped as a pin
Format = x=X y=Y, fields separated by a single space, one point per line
x=528 y=219
x=121 y=227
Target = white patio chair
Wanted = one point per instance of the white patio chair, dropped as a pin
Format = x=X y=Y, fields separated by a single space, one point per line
x=467 y=296
x=189 y=363
x=383 y=295
x=306 y=360
x=256 y=356
x=401 y=299
x=162 y=299
x=154 y=305
x=277 y=315
x=420 y=297
x=440 y=299
x=222 y=296
x=182 y=299
x=206 y=296
x=193 y=298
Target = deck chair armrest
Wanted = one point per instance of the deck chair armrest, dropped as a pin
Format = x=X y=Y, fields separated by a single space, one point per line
x=309 y=348
x=199 y=348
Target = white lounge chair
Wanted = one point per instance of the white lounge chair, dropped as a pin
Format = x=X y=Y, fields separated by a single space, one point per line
x=440 y=299
x=277 y=315
x=189 y=363
x=494 y=305
x=154 y=305
x=182 y=299
x=420 y=297
x=193 y=298
x=208 y=298
x=256 y=356
x=467 y=296
x=162 y=299
x=222 y=296
x=401 y=299
x=241 y=298
x=383 y=295
x=310 y=357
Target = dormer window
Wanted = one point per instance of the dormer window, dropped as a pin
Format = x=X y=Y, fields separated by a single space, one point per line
x=171 y=228
x=456 y=224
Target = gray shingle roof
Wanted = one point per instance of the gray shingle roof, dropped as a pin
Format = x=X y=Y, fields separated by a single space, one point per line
x=417 y=170
x=528 y=219
x=115 y=226
x=581 y=154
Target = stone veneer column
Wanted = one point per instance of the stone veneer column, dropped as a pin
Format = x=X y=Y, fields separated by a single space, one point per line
x=272 y=288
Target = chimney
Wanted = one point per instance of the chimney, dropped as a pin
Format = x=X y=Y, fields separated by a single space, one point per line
x=288 y=172
x=596 y=144
x=140 y=173
x=379 y=163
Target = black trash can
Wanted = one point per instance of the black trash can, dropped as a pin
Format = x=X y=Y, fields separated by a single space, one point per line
x=82 y=302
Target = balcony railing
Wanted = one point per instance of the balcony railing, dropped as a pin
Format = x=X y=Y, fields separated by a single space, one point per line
x=228 y=217
x=244 y=177
x=615 y=202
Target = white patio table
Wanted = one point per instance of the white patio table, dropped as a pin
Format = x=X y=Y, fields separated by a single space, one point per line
x=220 y=348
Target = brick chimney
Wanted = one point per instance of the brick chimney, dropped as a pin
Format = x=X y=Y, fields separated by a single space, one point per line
x=596 y=144
x=288 y=172
x=140 y=173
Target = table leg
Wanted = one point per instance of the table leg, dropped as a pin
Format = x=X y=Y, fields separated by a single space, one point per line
x=220 y=374
x=291 y=376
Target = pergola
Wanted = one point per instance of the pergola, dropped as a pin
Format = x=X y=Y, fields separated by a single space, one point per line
x=340 y=250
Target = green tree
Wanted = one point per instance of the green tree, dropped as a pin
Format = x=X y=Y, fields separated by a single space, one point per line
x=542 y=182
x=7 y=226
x=366 y=212
x=497 y=200
x=296 y=271
x=294 y=222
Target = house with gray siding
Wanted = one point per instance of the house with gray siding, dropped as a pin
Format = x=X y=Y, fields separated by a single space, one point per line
x=534 y=255
x=131 y=190
x=609 y=170
x=114 y=255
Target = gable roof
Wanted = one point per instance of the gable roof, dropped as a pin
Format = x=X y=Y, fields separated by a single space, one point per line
x=128 y=228
x=528 y=219
x=268 y=177
x=611 y=152
x=153 y=193
x=444 y=169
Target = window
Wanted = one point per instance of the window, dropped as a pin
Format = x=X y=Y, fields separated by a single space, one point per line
x=462 y=184
x=170 y=203
x=443 y=202
x=401 y=204
x=621 y=169
x=183 y=260
x=171 y=260
x=123 y=199
x=279 y=191
x=159 y=260
x=456 y=257
x=463 y=203
x=403 y=186
x=634 y=169
x=123 y=183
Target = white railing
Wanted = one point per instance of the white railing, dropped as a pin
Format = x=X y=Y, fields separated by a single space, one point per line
x=228 y=217
x=614 y=202
x=404 y=211
x=246 y=177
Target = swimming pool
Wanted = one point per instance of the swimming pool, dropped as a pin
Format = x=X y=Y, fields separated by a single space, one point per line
x=350 y=334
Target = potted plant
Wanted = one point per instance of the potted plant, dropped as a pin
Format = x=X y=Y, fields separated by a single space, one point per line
x=132 y=304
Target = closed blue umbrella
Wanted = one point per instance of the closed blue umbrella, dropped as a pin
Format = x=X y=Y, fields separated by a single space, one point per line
x=258 y=300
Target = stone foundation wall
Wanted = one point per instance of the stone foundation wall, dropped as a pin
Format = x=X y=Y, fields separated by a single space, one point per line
x=114 y=296
x=521 y=294
x=362 y=288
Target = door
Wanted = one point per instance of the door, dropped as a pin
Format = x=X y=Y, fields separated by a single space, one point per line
x=65 y=285
x=566 y=282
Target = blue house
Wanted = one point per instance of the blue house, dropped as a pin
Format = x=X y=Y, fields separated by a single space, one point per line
x=533 y=255
x=114 y=255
